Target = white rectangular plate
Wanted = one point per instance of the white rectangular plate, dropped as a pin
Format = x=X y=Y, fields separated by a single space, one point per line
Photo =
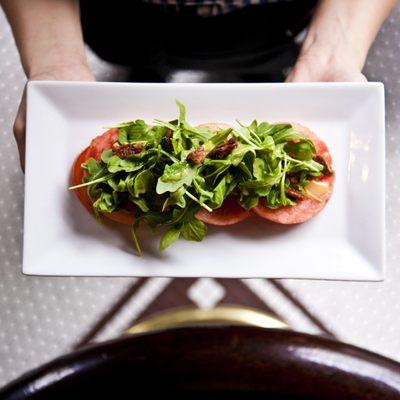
x=345 y=241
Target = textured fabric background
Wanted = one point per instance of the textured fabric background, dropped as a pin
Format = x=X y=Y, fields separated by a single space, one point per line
x=41 y=317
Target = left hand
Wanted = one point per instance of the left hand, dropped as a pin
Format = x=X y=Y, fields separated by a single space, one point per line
x=319 y=65
x=338 y=40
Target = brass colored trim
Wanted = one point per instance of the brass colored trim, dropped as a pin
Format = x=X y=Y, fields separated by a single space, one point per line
x=189 y=316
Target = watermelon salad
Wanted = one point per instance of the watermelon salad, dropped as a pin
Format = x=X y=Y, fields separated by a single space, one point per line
x=183 y=178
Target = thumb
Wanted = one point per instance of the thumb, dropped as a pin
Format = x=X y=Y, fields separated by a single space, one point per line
x=19 y=129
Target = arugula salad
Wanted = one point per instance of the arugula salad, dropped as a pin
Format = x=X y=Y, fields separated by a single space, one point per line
x=166 y=172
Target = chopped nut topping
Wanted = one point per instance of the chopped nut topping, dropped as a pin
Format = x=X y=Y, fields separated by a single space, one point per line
x=126 y=150
x=168 y=137
x=223 y=150
x=294 y=194
x=197 y=156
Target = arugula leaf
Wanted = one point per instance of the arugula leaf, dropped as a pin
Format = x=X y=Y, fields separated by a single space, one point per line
x=245 y=170
x=289 y=134
x=310 y=166
x=141 y=203
x=257 y=188
x=157 y=134
x=107 y=202
x=220 y=193
x=300 y=150
x=243 y=134
x=169 y=237
x=117 y=184
x=272 y=199
x=136 y=131
x=144 y=182
x=216 y=139
x=92 y=167
x=268 y=144
x=106 y=155
x=263 y=129
x=175 y=176
x=177 y=141
x=193 y=229
x=182 y=112
x=276 y=128
x=202 y=133
x=232 y=184
x=154 y=218
x=175 y=198
x=249 y=202
x=129 y=164
x=259 y=168
x=240 y=152
x=201 y=188
x=214 y=168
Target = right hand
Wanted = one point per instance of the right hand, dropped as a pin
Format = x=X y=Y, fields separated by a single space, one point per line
x=73 y=72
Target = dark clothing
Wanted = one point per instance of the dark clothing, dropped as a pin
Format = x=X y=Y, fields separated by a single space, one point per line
x=254 y=43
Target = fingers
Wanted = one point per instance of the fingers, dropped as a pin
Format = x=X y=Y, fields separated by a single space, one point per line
x=289 y=77
x=19 y=129
x=347 y=76
x=304 y=72
x=301 y=73
x=356 y=77
x=363 y=78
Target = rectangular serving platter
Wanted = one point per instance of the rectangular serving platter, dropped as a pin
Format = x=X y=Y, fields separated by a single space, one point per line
x=345 y=241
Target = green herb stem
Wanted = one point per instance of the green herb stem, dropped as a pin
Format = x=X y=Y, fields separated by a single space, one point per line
x=205 y=206
x=164 y=123
x=170 y=156
x=99 y=180
x=135 y=241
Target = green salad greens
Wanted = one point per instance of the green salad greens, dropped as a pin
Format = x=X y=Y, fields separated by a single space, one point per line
x=170 y=170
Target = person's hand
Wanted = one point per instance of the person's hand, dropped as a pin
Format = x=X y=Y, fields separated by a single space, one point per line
x=338 y=40
x=78 y=72
x=322 y=65
x=322 y=68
